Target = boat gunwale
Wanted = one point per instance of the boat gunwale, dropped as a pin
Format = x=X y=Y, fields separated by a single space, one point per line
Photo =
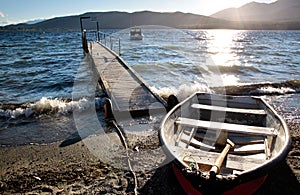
x=246 y=174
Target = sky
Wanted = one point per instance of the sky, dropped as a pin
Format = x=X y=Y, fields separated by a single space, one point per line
x=17 y=11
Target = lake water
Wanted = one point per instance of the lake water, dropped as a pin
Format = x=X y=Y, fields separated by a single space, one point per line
x=38 y=70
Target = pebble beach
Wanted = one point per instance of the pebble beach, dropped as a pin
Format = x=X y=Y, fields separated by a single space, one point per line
x=51 y=169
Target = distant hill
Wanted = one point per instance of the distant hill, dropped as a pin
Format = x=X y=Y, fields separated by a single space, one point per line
x=279 y=11
x=121 y=20
x=34 y=21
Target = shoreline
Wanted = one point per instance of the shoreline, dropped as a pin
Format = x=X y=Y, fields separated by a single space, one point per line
x=50 y=169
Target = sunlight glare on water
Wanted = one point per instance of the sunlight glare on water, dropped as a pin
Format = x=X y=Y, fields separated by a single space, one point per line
x=221 y=42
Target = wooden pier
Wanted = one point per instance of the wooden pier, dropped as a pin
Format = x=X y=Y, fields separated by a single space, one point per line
x=130 y=96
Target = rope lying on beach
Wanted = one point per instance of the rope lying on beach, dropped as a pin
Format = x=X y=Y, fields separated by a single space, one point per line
x=127 y=154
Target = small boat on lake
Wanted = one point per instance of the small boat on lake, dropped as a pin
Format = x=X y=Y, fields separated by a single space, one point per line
x=136 y=34
x=223 y=144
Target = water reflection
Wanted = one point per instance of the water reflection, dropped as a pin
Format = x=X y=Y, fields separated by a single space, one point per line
x=223 y=49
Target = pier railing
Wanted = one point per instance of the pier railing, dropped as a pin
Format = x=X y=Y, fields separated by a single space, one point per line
x=110 y=41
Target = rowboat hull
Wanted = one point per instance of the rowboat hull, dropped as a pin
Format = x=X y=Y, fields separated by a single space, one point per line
x=244 y=188
x=193 y=132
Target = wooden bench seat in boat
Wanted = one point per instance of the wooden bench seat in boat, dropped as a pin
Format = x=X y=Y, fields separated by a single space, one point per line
x=230 y=127
x=227 y=109
x=188 y=141
x=232 y=161
x=236 y=138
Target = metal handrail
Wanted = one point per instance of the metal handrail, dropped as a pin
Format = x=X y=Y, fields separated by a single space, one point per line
x=110 y=41
x=100 y=37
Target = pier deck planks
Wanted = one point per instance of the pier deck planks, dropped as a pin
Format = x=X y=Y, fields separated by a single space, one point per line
x=126 y=90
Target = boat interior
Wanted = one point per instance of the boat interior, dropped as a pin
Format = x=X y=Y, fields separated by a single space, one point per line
x=204 y=124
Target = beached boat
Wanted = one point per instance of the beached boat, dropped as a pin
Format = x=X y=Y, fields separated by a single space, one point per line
x=136 y=34
x=223 y=144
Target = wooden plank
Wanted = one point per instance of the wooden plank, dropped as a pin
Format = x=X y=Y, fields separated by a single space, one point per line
x=190 y=137
x=236 y=102
x=234 y=162
x=245 y=129
x=193 y=142
x=238 y=149
x=123 y=86
x=240 y=140
x=267 y=149
x=227 y=109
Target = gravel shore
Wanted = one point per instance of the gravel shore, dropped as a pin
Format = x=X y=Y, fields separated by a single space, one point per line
x=50 y=169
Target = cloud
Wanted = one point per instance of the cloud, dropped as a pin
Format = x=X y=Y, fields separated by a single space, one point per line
x=2 y=15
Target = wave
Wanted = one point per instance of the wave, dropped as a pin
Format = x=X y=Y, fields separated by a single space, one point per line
x=185 y=90
x=285 y=87
x=200 y=38
x=5 y=46
x=47 y=106
x=181 y=92
x=241 y=40
x=232 y=69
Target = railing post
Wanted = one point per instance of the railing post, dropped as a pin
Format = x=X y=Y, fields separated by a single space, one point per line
x=98 y=31
x=84 y=42
x=119 y=46
x=111 y=43
x=83 y=36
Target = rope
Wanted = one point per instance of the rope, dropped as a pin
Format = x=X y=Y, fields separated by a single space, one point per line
x=194 y=165
x=127 y=154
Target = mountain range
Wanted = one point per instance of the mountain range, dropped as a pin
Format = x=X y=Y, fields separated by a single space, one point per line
x=281 y=10
x=282 y=14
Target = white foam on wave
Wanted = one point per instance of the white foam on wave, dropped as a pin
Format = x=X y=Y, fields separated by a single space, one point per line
x=274 y=90
x=182 y=91
x=52 y=106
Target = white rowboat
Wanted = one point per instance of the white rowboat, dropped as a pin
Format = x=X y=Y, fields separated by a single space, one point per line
x=223 y=144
